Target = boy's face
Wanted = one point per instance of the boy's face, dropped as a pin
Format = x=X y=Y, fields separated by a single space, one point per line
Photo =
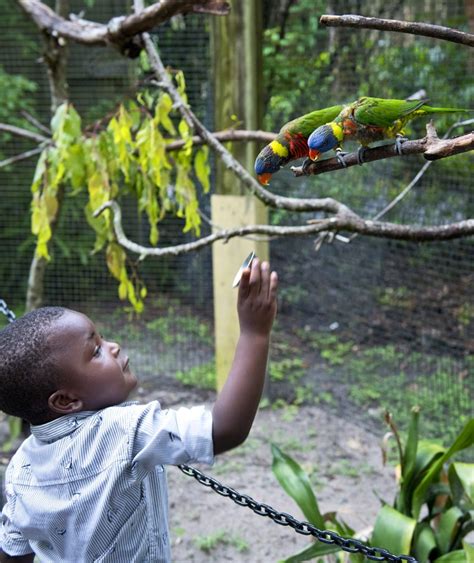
x=95 y=371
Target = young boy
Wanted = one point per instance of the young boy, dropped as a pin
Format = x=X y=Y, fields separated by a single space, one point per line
x=89 y=484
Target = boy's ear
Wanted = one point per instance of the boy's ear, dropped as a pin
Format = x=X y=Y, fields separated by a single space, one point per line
x=64 y=402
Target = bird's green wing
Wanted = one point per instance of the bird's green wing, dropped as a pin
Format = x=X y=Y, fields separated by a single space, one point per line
x=379 y=112
x=306 y=124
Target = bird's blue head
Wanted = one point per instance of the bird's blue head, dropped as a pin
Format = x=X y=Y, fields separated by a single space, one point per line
x=270 y=160
x=321 y=140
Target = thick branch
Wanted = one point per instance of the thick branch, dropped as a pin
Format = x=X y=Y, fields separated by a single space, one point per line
x=430 y=146
x=119 y=31
x=351 y=223
x=415 y=28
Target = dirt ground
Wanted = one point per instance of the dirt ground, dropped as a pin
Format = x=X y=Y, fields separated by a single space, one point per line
x=342 y=459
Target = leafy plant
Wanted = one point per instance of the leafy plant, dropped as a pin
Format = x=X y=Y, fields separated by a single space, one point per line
x=127 y=156
x=431 y=515
x=210 y=542
x=202 y=376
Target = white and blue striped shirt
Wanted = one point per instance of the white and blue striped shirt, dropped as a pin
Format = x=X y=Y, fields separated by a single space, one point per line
x=92 y=487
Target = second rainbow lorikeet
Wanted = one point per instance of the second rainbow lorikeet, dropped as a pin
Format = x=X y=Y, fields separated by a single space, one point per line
x=290 y=142
x=368 y=120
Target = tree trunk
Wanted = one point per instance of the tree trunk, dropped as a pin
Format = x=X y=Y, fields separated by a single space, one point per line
x=56 y=58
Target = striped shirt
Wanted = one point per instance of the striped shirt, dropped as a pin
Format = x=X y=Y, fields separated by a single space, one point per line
x=91 y=486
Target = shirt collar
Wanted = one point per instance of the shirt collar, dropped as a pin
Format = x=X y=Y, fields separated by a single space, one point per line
x=60 y=427
x=65 y=425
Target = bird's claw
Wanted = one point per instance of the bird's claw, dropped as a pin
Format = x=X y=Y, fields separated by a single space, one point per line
x=360 y=155
x=399 y=140
x=340 y=154
x=305 y=166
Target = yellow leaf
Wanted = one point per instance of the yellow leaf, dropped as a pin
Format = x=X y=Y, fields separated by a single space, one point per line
x=202 y=168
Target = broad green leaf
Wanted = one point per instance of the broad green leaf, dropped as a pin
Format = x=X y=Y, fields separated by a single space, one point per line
x=316 y=549
x=447 y=528
x=296 y=484
x=393 y=531
x=469 y=551
x=463 y=441
x=424 y=542
x=461 y=481
x=409 y=455
x=458 y=556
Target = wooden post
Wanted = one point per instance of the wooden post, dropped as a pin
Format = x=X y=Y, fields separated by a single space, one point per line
x=237 y=64
x=231 y=211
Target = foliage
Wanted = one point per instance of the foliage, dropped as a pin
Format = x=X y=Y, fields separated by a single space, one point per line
x=15 y=96
x=432 y=511
x=128 y=156
x=380 y=377
x=210 y=542
x=202 y=376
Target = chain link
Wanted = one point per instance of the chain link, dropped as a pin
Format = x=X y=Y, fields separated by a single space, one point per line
x=329 y=537
x=6 y=311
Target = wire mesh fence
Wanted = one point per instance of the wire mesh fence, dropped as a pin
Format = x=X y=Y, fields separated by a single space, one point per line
x=363 y=326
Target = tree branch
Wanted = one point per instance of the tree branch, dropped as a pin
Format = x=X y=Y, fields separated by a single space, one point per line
x=22 y=156
x=430 y=146
x=119 y=31
x=344 y=222
x=228 y=135
x=20 y=132
x=426 y=29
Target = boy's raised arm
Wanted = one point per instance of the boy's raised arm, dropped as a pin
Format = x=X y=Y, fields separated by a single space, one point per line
x=237 y=403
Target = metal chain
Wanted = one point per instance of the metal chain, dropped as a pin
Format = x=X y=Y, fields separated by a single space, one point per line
x=6 y=311
x=350 y=545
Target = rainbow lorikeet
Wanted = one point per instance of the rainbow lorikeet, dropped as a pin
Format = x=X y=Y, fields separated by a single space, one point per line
x=290 y=142
x=368 y=120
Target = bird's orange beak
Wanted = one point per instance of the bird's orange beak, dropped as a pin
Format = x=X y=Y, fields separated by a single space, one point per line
x=264 y=179
x=314 y=154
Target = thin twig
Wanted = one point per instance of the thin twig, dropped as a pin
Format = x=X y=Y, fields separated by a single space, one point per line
x=414 y=28
x=35 y=122
x=20 y=132
x=19 y=157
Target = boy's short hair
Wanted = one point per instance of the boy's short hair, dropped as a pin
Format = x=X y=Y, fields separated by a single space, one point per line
x=28 y=370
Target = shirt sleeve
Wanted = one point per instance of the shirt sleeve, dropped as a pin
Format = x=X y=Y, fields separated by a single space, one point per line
x=171 y=437
x=12 y=541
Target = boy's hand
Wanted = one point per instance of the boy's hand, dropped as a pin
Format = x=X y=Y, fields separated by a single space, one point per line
x=257 y=304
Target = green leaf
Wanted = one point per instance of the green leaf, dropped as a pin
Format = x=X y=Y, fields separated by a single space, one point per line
x=314 y=550
x=296 y=484
x=393 y=531
x=458 y=556
x=409 y=455
x=424 y=542
x=463 y=441
x=449 y=524
x=469 y=550
x=461 y=482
